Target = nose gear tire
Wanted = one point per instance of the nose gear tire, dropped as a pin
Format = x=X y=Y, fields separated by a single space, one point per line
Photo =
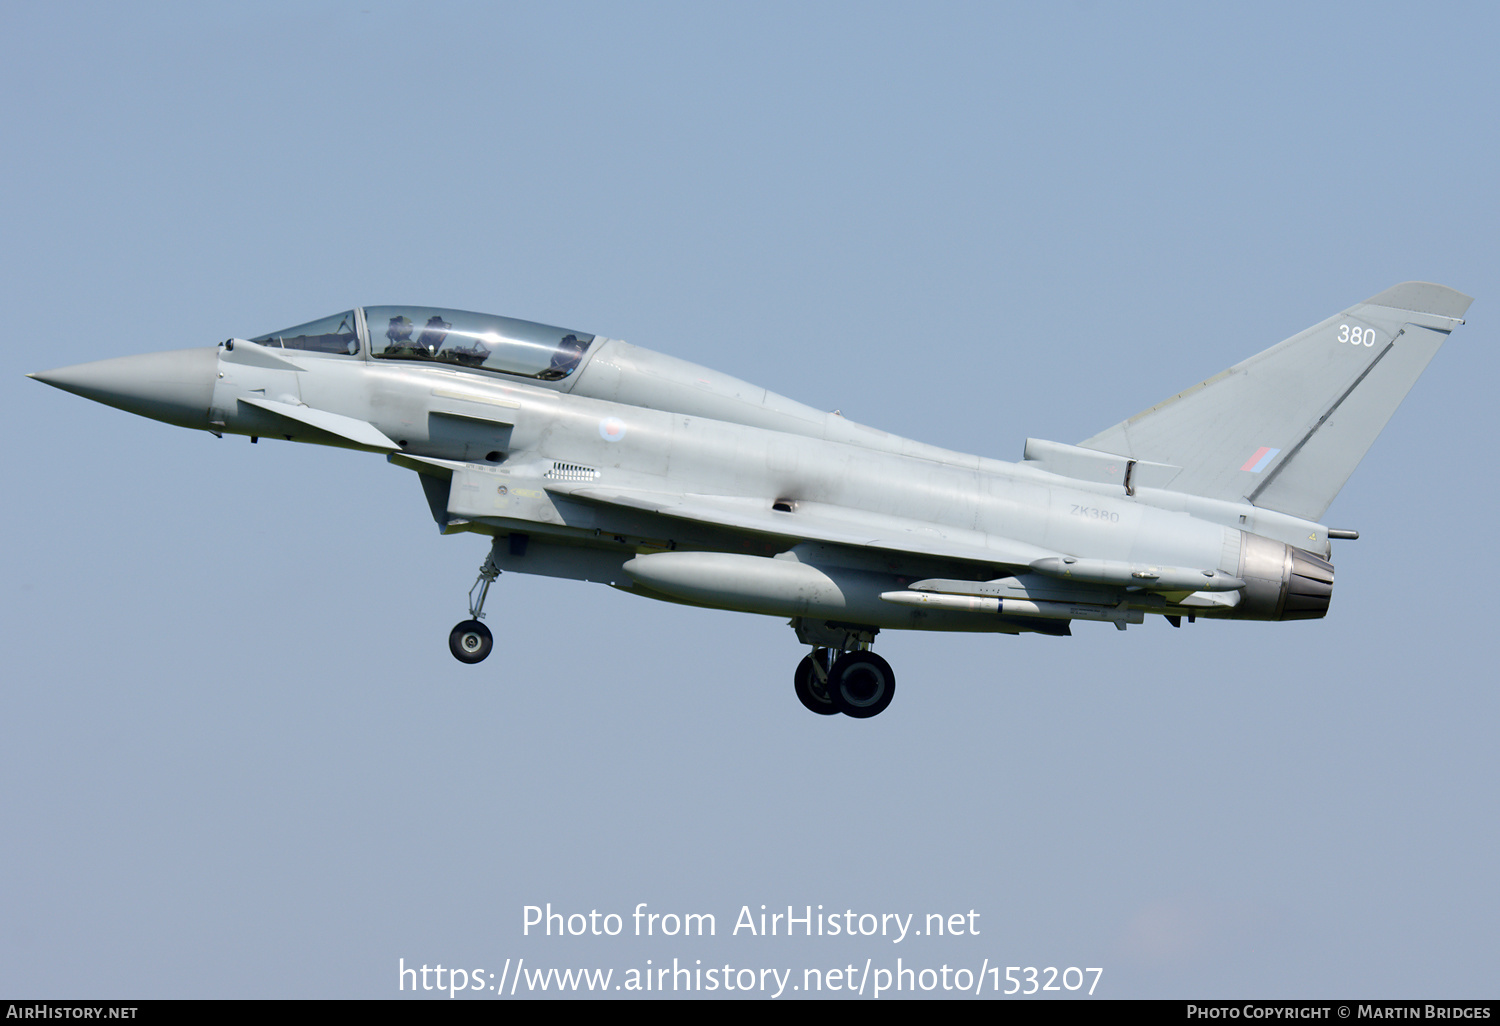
x=470 y=641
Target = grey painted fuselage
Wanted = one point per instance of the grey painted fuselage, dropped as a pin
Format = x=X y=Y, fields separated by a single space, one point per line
x=588 y=458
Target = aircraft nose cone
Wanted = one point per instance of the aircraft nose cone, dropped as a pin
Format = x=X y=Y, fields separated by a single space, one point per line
x=176 y=387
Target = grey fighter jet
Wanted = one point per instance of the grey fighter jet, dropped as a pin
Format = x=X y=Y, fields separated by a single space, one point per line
x=585 y=457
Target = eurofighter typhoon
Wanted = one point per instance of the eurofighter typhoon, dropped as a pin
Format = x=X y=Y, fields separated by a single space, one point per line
x=584 y=457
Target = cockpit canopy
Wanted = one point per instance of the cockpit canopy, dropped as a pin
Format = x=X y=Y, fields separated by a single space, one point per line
x=336 y=334
x=437 y=335
x=475 y=340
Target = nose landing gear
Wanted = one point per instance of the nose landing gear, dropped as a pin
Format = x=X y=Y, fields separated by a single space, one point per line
x=471 y=640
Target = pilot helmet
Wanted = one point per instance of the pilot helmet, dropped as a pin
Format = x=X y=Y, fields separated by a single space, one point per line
x=399 y=330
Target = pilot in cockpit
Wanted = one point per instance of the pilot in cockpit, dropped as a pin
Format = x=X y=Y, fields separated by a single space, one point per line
x=434 y=333
x=569 y=352
x=398 y=335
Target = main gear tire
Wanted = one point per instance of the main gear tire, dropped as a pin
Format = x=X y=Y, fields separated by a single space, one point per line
x=811 y=691
x=861 y=684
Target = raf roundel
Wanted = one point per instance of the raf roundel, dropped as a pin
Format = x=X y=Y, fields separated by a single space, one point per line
x=611 y=429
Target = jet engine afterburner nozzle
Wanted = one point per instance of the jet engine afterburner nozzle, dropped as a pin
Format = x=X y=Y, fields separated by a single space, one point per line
x=1283 y=582
x=1309 y=587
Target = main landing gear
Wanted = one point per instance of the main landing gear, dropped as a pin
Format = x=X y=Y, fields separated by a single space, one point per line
x=858 y=683
x=471 y=640
x=841 y=675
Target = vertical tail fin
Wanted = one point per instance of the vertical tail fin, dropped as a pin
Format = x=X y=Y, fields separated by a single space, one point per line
x=1286 y=428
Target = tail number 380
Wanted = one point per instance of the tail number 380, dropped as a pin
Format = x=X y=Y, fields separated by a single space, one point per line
x=1356 y=336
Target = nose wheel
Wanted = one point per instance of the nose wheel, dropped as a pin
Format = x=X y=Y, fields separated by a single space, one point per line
x=471 y=640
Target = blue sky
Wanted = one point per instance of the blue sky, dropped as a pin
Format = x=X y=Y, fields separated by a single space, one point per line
x=239 y=760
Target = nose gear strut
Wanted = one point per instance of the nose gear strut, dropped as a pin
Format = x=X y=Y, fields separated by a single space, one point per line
x=471 y=640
